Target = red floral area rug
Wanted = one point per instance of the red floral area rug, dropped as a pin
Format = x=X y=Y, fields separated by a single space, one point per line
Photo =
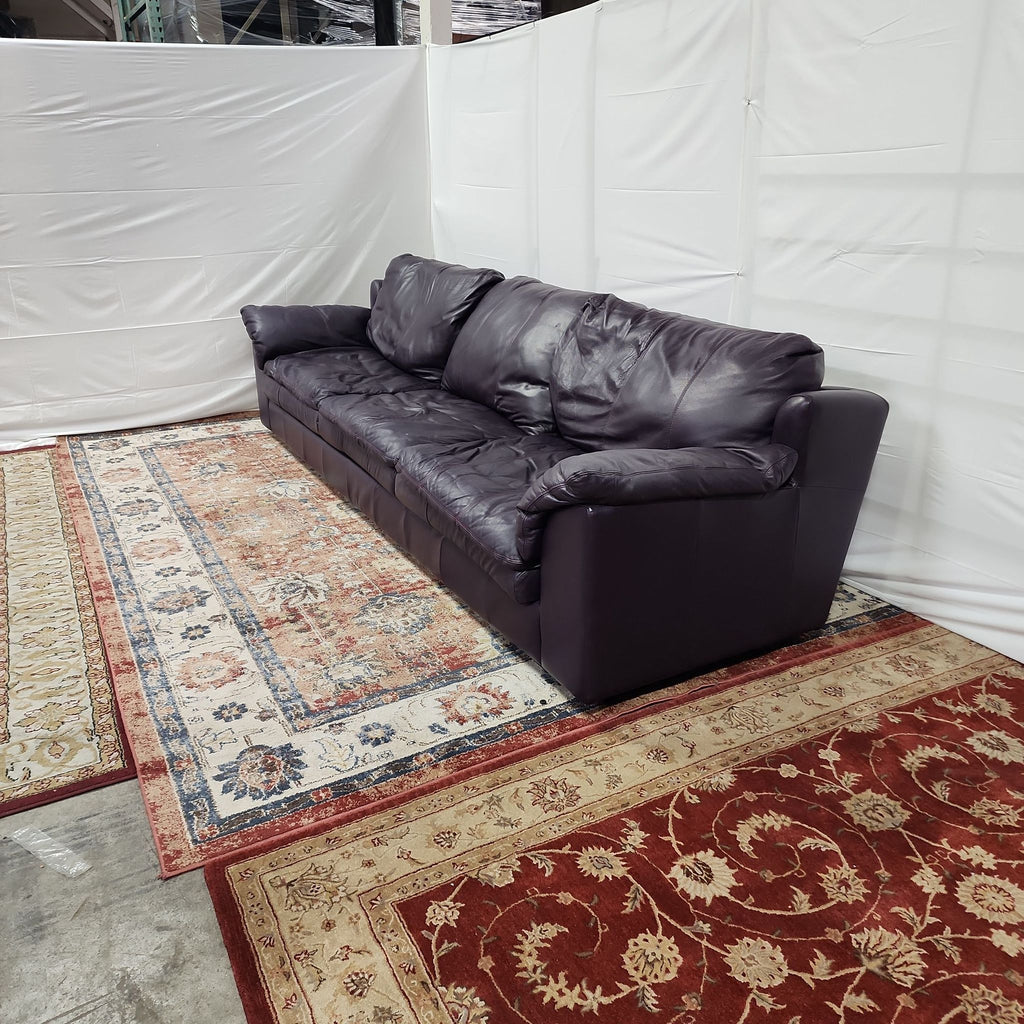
x=278 y=662
x=59 y=728
x=836 y=838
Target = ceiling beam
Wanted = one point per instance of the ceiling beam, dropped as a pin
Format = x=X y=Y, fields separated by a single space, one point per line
x=85 y=15
x=102 y=8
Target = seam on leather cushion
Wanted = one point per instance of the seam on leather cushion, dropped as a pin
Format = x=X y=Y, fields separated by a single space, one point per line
x=517 y=564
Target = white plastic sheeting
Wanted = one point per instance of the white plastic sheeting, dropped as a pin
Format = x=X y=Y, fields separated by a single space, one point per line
x=851 y=170
x=599 y=149
x=147 y=192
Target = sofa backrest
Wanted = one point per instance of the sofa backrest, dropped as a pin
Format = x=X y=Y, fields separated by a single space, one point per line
x=632 y=377
x=502 y=356
x=420 y=308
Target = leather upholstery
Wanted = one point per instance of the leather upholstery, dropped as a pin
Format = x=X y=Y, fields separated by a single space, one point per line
x=317 y=374
x=633 y=593
x=836 y=432
x=280 y=330
x=438 y=556
x=419 y=309
x=632 y=377
x=375 y=430
x=269 y=390
x=468 y=492
x=619 y=499
x=631 y=476
x=502 y=356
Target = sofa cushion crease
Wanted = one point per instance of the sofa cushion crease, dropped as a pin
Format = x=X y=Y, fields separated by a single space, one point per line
x=502 y=357
x=374 y=430
x=470 y=491
x=632 y=377
x=323 y=373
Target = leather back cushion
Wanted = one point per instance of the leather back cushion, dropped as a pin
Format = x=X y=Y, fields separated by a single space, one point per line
x=632 y=377
x=419 y=309
x=502 y=357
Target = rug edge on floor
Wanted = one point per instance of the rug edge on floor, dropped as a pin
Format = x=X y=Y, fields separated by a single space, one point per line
x=17 y=805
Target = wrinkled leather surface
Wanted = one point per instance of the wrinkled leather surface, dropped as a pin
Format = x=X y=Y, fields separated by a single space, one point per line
x=632 y=377
x=279 y=330
x=439 y=556
x=420 y=308
x=469 y=492
x=629 y=593
x=502 y=356
x=304 y=412
x=316 y=374
x=375 y=430
x=631 y=476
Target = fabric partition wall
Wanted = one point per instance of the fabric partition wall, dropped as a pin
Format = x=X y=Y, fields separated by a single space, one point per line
x=852 y=171
x=147 y=192
x=599 y=149
x=888 y=222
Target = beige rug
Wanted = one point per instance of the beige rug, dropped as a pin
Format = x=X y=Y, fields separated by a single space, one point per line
x=59 y=729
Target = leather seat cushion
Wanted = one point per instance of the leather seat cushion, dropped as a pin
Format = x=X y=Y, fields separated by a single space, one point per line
x=468 y=492
x=374 y=430
x=502 y=357
x=632 y=377
x=307 y=415
x=316 y=374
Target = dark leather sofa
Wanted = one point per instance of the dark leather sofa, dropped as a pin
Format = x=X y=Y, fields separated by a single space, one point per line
x=627 y=494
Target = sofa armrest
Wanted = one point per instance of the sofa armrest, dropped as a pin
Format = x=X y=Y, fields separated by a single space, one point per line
x=281 y=330
x=836 y=433
x=633 y=476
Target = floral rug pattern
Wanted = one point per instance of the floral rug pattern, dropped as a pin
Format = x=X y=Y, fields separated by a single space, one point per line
x=59 y=731
x=835 y=840
x=277 y=660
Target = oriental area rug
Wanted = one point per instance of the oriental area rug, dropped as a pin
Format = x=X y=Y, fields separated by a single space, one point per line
x=834 y=838
x=279 y=662
x=59 y=728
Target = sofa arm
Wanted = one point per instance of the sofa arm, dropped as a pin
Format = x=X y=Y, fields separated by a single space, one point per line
x=836 y=433
x=281 y=330
x=633 y=476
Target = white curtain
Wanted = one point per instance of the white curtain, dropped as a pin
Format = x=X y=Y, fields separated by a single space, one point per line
x=851 y=170
x=147 y=192
x=854 y=171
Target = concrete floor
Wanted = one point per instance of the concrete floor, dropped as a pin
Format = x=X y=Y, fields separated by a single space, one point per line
x=115 y=945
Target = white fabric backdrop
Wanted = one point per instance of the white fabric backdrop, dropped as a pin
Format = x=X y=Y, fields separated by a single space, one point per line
x=853 y=171
x=600 y=149
x=147 y=192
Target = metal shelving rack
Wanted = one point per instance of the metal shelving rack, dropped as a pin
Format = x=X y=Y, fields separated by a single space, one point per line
x=140 y=21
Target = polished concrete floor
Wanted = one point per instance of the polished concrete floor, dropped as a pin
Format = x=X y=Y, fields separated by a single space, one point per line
x=116 y=945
